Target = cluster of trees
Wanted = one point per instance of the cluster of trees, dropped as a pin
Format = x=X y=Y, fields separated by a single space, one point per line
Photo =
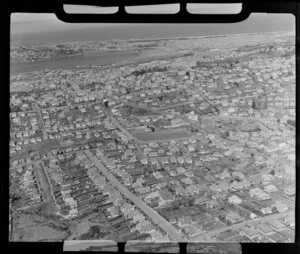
x=161 y=122
x=149 y=45
x=14 y=198
x=200 y=64
x=92 y=85
x=258 y=103
x=292 y=123
x=111 y=47
x=149 y=70
x=95 y=232
x=229 y=62
x=289 y=53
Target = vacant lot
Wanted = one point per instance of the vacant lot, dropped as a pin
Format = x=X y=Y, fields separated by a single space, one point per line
x=33 y=227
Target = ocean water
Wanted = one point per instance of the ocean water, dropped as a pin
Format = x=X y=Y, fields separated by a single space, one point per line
x=56 y=31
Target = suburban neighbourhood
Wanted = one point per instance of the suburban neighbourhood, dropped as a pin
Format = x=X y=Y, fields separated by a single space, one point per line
x=192 y=141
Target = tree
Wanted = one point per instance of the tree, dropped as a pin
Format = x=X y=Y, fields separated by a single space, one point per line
x=236 y=84
x=15 y=198
x=291 y=122
x=193 y=129
x=253 y=104
x=225 y=135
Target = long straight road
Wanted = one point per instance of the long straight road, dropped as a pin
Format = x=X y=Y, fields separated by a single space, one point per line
x=118 y=125
x=290 y=201
x=154 y=216
x=209 y=234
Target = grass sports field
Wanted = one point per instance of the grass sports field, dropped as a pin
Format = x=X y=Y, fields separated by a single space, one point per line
x=162 y=134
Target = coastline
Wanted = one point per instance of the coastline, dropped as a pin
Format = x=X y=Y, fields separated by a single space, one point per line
x=161 y=38
x=47 y=59
x=139 y=58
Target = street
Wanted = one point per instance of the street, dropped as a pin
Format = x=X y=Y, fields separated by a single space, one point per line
x=154 y=216
x=209 y=234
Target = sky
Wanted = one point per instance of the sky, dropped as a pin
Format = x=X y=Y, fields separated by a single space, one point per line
x=35 y=28
x=166 y=8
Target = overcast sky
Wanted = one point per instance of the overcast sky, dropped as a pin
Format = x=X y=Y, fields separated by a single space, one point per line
x=34 y=28
x=167 y=8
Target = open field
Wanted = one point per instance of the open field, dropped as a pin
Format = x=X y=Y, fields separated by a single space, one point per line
x=44 y=184
x=36 y=227
x=162 y=134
